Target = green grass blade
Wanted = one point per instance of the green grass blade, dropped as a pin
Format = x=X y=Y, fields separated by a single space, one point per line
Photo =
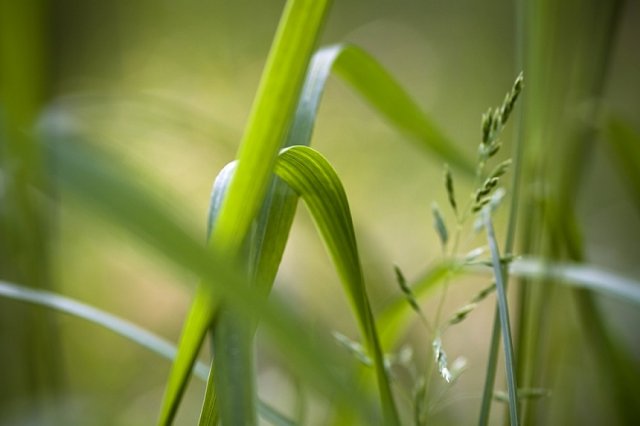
x=196 y=326
x=194 y=331
x=499 y=274
x=383 y=93
x=311 y=176
x=625 y=146
x=268 y=123
x=270 y=117
x=106 y=187
x=122 y=327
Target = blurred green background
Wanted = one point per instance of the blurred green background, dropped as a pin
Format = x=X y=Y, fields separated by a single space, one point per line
x=167 y=85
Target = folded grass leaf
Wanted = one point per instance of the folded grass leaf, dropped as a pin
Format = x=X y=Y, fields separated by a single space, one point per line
x=311 y=176
x=104 y=186
x=268 y=123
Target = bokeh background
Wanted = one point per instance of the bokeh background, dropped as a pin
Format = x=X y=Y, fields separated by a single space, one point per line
x=167 y=86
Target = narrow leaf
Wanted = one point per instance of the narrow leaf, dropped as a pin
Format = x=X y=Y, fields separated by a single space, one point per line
x=311 y=176
x=382 y=91
x=105 y=187
x=266 y=129
x=581 y=276
x=504 y=318
x=122 y=327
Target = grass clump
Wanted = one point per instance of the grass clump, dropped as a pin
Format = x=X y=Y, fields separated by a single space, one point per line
x=252 y=208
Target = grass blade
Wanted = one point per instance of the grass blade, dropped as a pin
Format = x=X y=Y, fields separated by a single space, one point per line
x=383 y=93
x=311 y=176
x=104 y=186
x=268 y=123
x=270 y=117
x=498 y=272
x=124 y=328
x=580 y=276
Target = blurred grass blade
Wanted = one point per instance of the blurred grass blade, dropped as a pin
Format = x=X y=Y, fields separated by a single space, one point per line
x=579 y=275
x=109 y=321
x=109 y=189
x=381 y=90
x=311 y=176
x=124 y=328
x=498 y=272
x=625 y=145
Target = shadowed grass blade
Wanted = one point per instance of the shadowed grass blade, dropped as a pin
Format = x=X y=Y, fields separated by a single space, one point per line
x=311 y=176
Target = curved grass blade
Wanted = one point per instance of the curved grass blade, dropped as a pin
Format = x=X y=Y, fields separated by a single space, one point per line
x=107 y=188
x=122 y=327
x=381 y=90
x=277 y=213
x=498 y=272
x=311 y=176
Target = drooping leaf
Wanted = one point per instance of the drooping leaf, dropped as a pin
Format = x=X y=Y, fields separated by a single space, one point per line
x=106 y=187
x=383 y=93
x=266 y=129
x=312 y=177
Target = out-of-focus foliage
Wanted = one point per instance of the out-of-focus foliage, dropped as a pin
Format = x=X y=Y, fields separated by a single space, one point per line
x=167 y=88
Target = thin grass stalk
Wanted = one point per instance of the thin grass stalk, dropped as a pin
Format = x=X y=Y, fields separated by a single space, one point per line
x=517 y=154
x=498 y=270
x=567 y=62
